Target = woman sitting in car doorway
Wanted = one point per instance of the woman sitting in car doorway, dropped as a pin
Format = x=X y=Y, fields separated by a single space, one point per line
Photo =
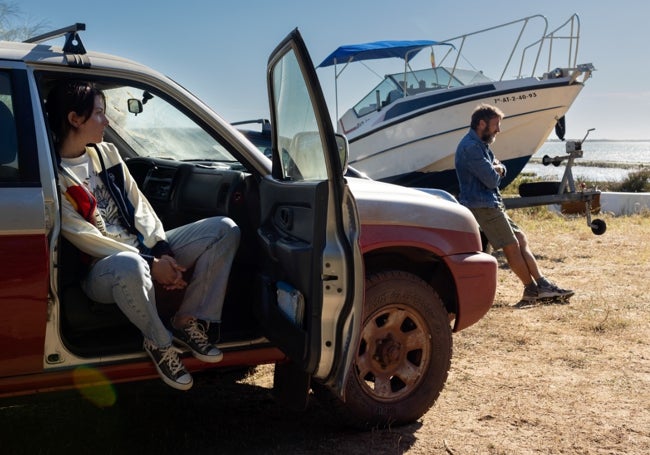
x=110 y=221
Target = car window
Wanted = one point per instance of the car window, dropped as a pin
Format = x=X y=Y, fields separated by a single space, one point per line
x=302 y=153
x=9 y=166
x=160 y=129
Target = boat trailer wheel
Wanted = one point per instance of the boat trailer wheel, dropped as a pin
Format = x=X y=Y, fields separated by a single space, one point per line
x=598 y=227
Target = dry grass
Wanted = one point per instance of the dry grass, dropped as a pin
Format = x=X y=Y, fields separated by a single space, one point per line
x=557 y=378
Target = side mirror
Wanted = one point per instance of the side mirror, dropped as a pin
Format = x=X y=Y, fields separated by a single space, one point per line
x=344 y=152
x=135 y=106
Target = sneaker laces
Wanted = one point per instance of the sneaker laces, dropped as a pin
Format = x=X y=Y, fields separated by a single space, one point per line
x=545 y=283
x=197 y=334
x=551 y=287
x=171 y=359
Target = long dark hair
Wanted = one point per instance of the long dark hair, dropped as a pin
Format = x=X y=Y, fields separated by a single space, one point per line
x=68 y=96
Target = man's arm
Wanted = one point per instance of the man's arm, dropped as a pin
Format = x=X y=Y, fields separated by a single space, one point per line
x=481 y=167
x=499 y=168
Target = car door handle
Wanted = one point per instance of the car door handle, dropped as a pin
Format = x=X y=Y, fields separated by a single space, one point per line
x=285 y=218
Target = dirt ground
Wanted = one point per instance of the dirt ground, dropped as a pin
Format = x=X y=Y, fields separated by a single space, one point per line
x=552 y=379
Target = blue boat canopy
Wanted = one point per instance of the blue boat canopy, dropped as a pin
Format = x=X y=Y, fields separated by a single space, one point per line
x=376 y=50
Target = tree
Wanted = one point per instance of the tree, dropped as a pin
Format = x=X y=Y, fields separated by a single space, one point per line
x=14 y=26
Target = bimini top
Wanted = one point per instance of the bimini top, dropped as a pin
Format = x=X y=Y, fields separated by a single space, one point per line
x=405 y=50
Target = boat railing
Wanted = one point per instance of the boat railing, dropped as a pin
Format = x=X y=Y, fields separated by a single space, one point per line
x=546 y=37
x=573 y=23
x=524 y=24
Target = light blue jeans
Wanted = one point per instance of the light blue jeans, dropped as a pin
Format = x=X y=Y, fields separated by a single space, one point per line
x=125 y=279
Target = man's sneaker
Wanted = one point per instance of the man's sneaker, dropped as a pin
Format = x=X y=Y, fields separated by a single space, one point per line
x=529 y=298
x=169 y=366
x=194 y=336
x=531 y=293
x=548 y=290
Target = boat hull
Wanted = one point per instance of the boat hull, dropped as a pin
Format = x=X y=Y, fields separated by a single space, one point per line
x=447 y=180
x=417 y=147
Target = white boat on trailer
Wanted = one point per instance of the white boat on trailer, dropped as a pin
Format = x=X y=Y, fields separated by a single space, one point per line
x=406 y=129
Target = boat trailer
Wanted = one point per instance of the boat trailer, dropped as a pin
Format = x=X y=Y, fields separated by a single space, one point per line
x=552 y=193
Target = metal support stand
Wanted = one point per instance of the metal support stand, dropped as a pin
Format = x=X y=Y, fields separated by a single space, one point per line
x=574 y=150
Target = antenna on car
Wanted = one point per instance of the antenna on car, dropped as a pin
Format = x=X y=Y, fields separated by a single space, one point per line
x=72 y=44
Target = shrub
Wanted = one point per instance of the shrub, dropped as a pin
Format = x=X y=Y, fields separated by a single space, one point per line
x=635 y=182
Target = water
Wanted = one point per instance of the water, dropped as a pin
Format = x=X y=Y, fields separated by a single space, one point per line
x=602 y=161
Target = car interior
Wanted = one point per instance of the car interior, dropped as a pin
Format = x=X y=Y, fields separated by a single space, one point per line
x=9 y=143
x=180 y=192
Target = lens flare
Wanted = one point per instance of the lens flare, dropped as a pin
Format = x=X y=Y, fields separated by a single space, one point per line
x=94 y=386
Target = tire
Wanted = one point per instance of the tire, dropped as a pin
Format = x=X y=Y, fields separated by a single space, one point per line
x=598 y=227
x=390 y=383
x=538 y=188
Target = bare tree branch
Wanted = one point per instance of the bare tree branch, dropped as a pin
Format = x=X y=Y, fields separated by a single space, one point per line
x=14 y=26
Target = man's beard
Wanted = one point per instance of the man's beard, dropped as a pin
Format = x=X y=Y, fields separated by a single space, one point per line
x=488 y=138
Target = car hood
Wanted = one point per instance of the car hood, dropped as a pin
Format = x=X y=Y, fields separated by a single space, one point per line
x=388 y=204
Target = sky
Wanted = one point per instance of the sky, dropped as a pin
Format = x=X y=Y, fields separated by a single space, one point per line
x=219 y=49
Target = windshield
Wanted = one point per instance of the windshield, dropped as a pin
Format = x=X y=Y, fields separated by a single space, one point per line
x=160 y=129
x=420 y=81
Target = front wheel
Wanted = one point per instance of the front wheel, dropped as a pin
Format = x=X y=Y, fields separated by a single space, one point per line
x=403 y=357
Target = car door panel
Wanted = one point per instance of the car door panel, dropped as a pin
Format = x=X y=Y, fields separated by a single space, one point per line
x=309 y=241
x=24 y=267
x=294 y=247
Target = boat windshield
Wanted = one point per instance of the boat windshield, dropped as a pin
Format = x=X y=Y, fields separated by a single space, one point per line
x=416 y=82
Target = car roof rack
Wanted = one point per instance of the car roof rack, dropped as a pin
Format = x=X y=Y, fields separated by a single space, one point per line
x=73 y=42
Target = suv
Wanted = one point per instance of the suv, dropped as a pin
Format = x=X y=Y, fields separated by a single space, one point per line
x=351 y=287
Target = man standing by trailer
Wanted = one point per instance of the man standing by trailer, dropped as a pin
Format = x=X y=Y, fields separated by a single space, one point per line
x=479 y=174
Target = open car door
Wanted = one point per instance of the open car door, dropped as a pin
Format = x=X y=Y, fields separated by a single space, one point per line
x=312 y=291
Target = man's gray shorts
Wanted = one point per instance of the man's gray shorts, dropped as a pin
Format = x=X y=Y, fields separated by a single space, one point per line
x=496 y=225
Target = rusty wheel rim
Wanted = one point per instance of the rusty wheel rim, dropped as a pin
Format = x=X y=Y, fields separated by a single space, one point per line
x=394 y=352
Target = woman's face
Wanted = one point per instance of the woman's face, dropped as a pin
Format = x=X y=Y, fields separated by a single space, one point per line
x=91 y=129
